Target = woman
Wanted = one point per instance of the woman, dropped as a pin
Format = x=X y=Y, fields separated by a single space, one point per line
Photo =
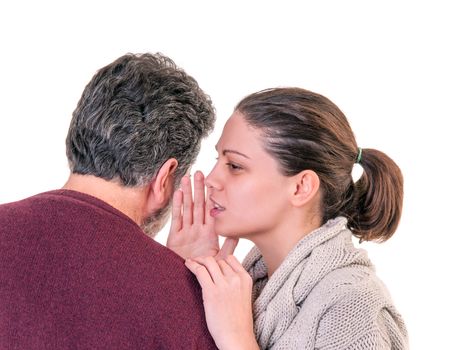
x=283 y=180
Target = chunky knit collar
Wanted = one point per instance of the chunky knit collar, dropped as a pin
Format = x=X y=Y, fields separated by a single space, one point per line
x=276 y=301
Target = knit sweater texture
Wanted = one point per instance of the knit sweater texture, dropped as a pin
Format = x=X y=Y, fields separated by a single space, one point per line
x=325 y=295
x=75 y=273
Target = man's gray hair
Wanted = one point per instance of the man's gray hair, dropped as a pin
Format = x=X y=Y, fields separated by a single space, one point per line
x=134 y=115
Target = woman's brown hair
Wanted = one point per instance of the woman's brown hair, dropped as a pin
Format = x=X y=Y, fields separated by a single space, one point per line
x=306 y=131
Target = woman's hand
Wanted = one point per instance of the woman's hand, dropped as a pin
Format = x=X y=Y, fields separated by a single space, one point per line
x=192 y=230
x=226 y=290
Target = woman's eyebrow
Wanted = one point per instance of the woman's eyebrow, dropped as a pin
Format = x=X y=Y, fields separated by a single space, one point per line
x=232 y=151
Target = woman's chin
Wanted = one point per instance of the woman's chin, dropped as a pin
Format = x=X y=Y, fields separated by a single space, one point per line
x=228 y=231
x=228 y=235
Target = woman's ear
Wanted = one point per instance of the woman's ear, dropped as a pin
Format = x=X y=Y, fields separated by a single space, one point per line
x=305 y=186
x=161 y=187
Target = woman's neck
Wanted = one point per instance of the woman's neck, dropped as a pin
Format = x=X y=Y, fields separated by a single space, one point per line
x=275 y=246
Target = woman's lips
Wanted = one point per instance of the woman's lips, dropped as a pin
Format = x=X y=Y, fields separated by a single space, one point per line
x=214 y=212
x=216 y=209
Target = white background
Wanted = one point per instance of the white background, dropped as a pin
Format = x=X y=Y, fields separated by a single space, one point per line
x=389 y=65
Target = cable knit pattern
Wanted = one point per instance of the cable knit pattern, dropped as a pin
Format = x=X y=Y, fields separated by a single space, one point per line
x=325 y=295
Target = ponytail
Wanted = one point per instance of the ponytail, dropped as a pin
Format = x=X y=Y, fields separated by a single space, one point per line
x=378 y=198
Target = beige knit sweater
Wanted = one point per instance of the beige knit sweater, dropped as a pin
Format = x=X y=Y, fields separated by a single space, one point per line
x=325 y=295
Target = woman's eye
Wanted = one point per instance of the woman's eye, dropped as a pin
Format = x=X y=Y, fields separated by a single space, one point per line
x=233 y=166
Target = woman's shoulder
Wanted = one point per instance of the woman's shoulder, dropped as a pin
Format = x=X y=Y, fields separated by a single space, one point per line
x=357 y=307
x=353 y=283
x=348 y=308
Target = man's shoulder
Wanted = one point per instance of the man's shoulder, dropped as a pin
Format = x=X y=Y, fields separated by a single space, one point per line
x=42 y=201
x=108 y=260
x=17 y=203
x=20 y=208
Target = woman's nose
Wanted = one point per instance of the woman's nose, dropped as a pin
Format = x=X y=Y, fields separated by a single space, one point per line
x=211 y=180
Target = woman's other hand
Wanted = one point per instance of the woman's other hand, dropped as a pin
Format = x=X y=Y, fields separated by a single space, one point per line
x=226 y=290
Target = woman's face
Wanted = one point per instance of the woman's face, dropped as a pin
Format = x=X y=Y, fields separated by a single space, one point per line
x=249 y=194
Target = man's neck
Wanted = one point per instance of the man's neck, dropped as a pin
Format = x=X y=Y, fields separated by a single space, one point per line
x=129 y=200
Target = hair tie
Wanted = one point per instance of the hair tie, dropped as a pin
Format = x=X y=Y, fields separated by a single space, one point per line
x=359 y=156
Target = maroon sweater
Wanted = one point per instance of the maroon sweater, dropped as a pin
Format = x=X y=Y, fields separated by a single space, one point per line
x=75 y=273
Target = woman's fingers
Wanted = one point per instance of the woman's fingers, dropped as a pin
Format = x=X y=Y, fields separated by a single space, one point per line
x=240 y=272
x=176 y=221
x=212 y=267
x=228 y=248
x=201 y=273
x=187 y=201
x=225 y=268
x=199 y=198
x=232 y=261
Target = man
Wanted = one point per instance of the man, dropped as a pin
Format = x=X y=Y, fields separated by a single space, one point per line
x=76 y=269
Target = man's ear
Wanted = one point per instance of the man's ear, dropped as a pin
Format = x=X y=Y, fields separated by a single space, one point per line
x=305 y=187
x=161 y=187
